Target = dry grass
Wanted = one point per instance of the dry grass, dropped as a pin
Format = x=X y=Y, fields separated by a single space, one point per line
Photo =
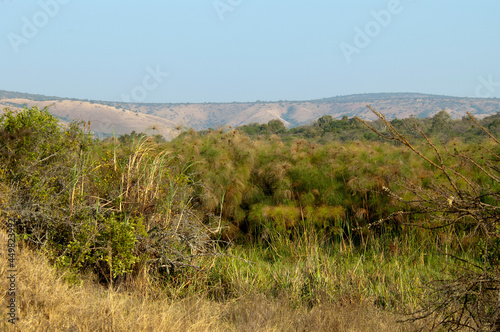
x=47 y=303
x=257 y=313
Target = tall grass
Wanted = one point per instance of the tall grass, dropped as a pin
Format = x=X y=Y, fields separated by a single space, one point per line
x=46 y=302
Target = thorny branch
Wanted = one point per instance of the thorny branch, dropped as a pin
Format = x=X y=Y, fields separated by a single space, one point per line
x=471 y=298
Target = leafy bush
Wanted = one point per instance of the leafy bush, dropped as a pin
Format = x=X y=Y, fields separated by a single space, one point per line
x=107 y=207
x=106 y=243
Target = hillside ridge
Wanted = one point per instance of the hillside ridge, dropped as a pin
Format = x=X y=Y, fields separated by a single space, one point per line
x=168 y=119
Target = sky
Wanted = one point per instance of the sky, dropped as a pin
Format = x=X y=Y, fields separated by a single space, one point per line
x=179 y=51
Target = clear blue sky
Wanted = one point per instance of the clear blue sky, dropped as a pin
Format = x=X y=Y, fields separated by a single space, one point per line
x=247 y=50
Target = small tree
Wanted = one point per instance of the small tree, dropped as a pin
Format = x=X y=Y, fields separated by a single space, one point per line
x=325 y=120
x=276 y=126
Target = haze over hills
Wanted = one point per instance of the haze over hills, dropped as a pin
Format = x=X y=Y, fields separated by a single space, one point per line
x=169 y=119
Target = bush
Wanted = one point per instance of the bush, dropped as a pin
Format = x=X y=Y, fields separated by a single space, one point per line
x=110 y=208
x=464 y=197
x=105 y=243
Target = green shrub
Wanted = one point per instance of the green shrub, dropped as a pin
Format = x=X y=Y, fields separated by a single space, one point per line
x=108 y=243
x=108 y=207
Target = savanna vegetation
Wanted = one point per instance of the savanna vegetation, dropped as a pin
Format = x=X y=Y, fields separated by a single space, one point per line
x=339 y=225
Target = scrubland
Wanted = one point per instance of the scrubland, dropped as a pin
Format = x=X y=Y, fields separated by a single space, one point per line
x=329 y=227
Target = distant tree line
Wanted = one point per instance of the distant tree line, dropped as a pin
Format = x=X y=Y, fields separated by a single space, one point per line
x=327 y=128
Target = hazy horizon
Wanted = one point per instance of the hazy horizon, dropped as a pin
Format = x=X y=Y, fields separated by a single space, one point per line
x=247 y=101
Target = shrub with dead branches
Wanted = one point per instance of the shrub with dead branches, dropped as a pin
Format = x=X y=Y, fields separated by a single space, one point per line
x=464 y=194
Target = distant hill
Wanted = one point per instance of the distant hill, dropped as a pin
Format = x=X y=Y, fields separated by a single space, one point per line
x=105 y=120
x=169 y=119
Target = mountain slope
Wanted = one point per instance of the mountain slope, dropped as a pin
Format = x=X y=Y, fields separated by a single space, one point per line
x=167 y=119
x=105 y=120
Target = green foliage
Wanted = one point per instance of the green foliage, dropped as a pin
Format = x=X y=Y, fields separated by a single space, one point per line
x=108 y=207
x=310 y=204
x=106 y=245
x=276 y=127
x=32 y=139
x=241 y=177
x=116 y=243
x=272 y=127
x=489 y=250
x=327 y=129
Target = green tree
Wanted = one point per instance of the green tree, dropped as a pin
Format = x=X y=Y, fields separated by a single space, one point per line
x=276 y=126
x=441 y=122
x=325 y=120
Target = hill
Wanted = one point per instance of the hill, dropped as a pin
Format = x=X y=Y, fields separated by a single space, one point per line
x=167 y=119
